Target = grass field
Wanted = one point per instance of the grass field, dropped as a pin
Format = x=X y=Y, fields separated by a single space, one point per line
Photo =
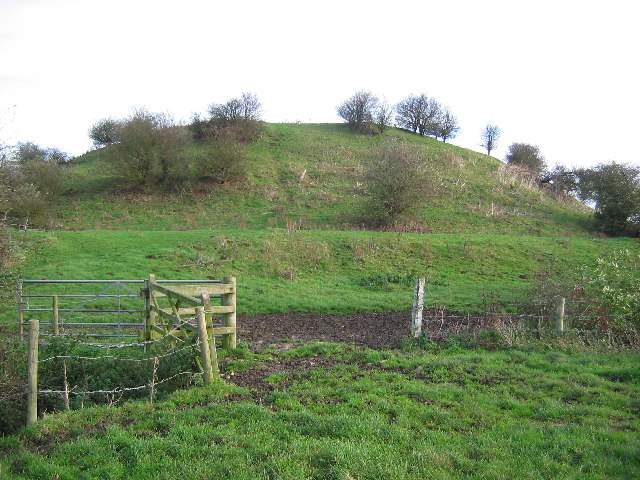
x=352 y=413
x=319 y=271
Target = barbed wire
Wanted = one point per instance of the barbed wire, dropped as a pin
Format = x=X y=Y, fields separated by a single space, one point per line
x=112 y=357
x=118 y=389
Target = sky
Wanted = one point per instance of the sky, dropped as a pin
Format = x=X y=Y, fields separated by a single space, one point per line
x=562 y=75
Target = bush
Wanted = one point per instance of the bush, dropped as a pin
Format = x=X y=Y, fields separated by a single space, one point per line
x=13 y=358
x=148 y=152
x=612 y=289
x=396 y=182
x=29 y=192
x=224 y=161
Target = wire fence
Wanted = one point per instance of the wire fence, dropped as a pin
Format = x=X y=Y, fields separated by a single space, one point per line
x=439 y=316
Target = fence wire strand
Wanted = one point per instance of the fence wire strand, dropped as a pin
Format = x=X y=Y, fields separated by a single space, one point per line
x=118 y=389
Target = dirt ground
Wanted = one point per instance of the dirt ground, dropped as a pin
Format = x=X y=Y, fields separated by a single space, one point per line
x=372 y=329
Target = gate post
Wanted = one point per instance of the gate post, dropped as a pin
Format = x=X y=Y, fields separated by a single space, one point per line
x=149 y=316
x=205 y=353
x=229 y=319
x=20 y=317
x=32 y=367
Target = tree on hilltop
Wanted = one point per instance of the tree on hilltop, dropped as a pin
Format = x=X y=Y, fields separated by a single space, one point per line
x=419 y=114
x=105 y=132
x=527 y=156
x=447 y=125
x=490 y=137
x=358 y=111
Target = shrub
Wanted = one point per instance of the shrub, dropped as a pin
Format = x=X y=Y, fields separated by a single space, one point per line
x=29 y=191
x=224 y=161
x=148 y=152
x=613 y=291
x=396 y=182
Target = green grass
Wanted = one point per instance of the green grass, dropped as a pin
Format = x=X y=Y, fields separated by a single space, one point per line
x=475 y=195
x=397 y=414
x=318 y=271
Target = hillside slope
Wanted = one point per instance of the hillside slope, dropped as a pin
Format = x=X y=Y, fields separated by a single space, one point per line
x=309 y=176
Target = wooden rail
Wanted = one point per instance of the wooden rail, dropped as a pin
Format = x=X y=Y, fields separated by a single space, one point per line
x=172 y=310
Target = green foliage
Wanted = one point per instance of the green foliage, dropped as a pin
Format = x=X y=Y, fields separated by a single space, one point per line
x=526 y=156
x=612 y=291
x=105 y=132
x=115 y=371
x=615 y=190
x=13 y=358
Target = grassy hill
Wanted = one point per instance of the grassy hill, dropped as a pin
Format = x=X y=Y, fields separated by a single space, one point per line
x=308 y=176
x=548 y=408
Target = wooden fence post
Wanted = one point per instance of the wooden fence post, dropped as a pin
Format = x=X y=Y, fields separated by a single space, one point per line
x=149 y=315
x=229 y=319
x=418 y=306
x=560 y=302
x=205 y=354
x=32 y=366
x=56 y=317
x=20 y=317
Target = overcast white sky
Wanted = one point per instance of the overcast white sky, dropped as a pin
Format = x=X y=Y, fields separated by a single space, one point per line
x=560 y=74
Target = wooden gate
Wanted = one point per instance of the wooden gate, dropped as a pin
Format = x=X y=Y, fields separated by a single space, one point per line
x=171 y=310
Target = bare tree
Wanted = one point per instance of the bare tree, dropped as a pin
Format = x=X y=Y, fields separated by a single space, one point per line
x=527 y=156
x=383 y=116
x=419 y=113
x=490 y=137
x=358 y=110
x=235 y=110
x=447 y=125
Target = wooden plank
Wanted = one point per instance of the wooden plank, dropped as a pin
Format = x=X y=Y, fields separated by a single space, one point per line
x=165 y=314
x=213 y=309
x=159 y=330
x=205 y=353
x=222 y=330
x=170 y=292
x=211 y=289
x=220 y=309
x=198 y=290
